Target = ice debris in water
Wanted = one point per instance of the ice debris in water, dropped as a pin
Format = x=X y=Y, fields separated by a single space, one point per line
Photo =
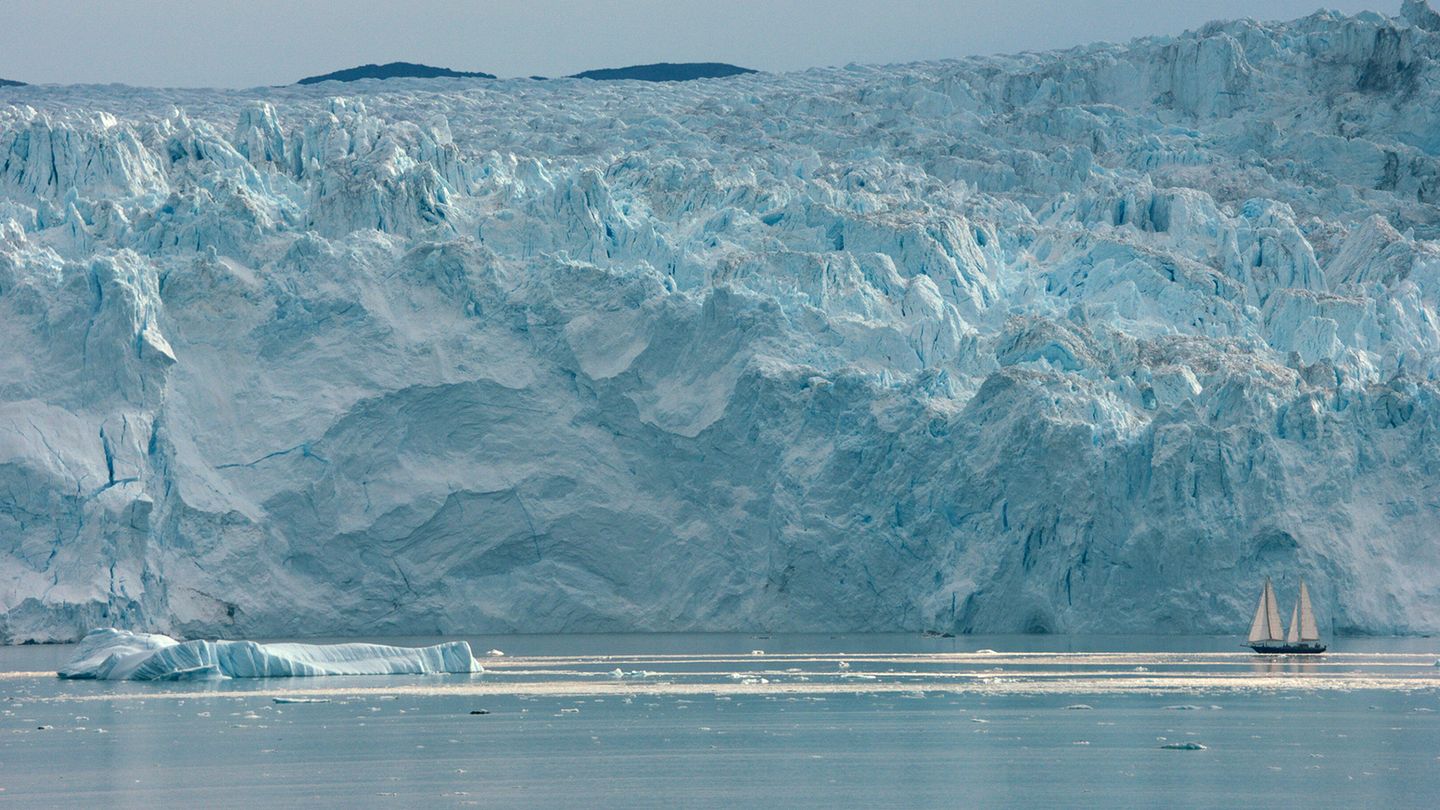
x=114 y=655
x=1184 y=746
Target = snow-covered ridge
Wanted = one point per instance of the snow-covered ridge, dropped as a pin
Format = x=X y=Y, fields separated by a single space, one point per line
x=1087 y=340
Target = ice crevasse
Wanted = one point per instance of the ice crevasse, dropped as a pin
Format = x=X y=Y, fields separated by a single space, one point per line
x=1082 y=341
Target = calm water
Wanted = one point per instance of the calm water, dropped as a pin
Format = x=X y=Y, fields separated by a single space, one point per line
x=703 y=721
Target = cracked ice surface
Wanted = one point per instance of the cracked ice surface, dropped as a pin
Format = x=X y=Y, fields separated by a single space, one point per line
x=1081 y=341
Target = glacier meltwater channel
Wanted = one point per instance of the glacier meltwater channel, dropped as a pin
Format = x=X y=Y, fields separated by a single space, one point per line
x=1087 y=341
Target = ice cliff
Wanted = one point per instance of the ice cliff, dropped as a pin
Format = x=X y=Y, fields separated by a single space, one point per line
x=1077 y=341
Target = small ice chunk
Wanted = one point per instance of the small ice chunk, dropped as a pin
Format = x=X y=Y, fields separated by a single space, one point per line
x=1079 y=707
x=495 y=653
x=1183 y=746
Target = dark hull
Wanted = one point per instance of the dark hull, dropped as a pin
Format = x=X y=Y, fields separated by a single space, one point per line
x=1289 y=649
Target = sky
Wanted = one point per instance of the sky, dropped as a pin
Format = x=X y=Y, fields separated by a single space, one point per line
x=245 y=43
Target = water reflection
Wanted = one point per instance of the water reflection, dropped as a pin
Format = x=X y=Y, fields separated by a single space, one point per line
x=1285 y=665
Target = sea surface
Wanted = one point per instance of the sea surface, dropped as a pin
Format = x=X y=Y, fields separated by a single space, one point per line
x=707 y=720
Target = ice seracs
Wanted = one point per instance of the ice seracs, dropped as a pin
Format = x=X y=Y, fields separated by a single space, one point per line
x=1042 y=342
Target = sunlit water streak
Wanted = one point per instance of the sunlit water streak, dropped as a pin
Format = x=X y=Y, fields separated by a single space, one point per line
x=759 y=674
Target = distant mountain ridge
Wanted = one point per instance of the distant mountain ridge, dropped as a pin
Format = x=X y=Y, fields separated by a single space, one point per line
x=656 y=72
x=11 y=83
x=394 y=70
x=666 y=72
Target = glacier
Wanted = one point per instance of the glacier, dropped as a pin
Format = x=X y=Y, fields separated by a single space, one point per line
x=1079 y=341
x=108 y=654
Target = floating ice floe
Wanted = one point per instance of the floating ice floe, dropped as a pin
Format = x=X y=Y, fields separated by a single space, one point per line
x=117 y=655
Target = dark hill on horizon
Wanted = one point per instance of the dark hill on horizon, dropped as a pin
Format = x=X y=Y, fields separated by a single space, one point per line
x=394 y=70
x=666 y=72
x=11 y=83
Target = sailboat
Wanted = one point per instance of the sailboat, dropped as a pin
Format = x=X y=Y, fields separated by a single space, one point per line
x=1265 y=631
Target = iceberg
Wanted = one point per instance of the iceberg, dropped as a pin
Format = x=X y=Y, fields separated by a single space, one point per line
x=119 y=655
x=1045 y=342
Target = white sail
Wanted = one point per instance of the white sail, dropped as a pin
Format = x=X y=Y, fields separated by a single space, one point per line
x=1266 y=626
x=1272 y=613
x=1294 y=634
x=1308 y=630
x=1258 y=629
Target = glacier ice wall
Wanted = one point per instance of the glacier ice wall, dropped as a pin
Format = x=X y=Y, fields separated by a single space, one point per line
x=1077 y=341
